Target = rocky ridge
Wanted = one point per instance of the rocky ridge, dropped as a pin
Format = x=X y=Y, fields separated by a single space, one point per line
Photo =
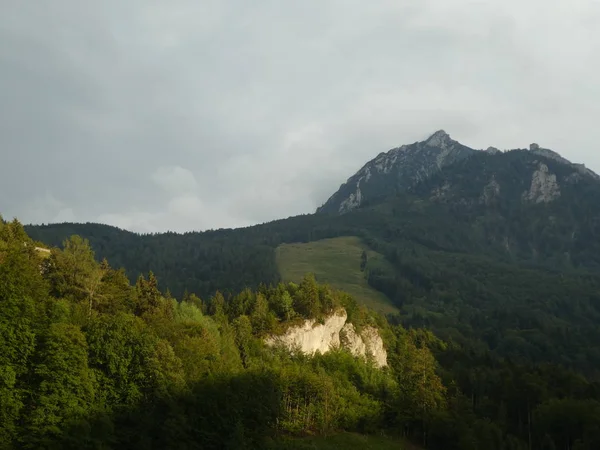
x=407 y=166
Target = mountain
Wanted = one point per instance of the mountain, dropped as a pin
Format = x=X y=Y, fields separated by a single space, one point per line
x=403 y=168
x=395 y=171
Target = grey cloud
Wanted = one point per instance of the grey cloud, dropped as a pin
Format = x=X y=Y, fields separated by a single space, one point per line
x=192 y=115
x=175 y=179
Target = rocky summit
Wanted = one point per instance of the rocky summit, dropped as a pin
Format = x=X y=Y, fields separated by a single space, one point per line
x=396 y=170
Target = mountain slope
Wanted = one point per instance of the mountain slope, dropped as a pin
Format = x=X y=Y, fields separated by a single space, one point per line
x=337 y=262
x=533 y=207
x=395 y=171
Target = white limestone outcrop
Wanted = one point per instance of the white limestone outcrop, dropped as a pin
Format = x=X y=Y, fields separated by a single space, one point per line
x=310 y=337
x=368 y=342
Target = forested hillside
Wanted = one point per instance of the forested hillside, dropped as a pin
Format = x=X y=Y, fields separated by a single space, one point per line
x=494 y=254
x=89 y=361
x=138 y=369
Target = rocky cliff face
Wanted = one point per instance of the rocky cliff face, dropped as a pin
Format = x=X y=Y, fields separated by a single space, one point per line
x=368 y=342
x=395 y=171
x=544 y=187
x=334 y=332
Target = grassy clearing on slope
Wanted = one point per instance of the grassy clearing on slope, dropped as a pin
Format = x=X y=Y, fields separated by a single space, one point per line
x=335 y=262
x=349 y=441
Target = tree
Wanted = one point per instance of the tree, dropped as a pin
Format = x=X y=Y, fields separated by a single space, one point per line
x=243 y=337
x=260 y=315
x=241 y=303
x=194 y=300
x=23 y=295
x=120 y=349
x=216 y=307
x=420 y=388
x=283 y=304
x=65 y=384
x=147 y=295
x=115 y=294
x=74 y=273
x=306 y=300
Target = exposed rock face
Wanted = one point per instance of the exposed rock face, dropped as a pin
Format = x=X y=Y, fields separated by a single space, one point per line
x=352 y=341
x=534 y=148
x=440 y=139
x=374 y=346
x=544 y=187
x=311 y=337
x=353 y=200
x=490 y=192
x=396 y=170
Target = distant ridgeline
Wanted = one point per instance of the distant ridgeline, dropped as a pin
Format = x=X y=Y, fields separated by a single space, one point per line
x=495 y=252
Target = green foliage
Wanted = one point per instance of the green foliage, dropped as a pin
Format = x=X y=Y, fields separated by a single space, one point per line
x=64 y=384
x=23 y=294
x=88 y=362
x=74 y=273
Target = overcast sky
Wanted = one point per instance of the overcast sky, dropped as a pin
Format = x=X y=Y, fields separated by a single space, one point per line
x=188 y=115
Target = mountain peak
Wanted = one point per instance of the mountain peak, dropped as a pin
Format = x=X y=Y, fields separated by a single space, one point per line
x=396 y=171
x=438 y=139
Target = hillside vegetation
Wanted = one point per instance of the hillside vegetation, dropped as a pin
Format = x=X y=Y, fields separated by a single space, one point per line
x=88 y=361
x=339 y=263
